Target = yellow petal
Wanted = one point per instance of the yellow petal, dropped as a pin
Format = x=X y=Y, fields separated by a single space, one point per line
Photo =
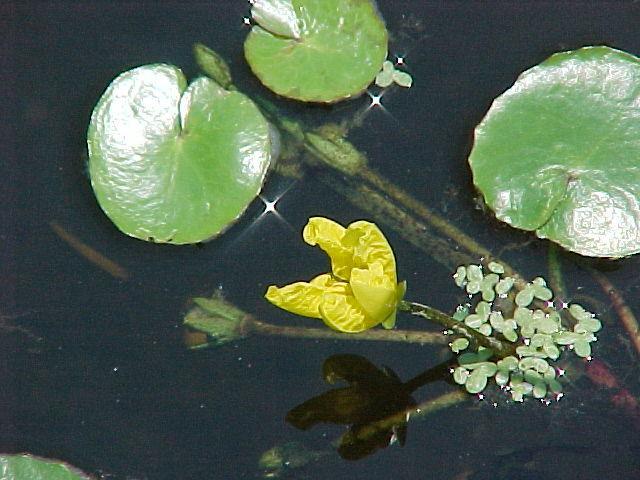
x=303 y=298
x=370 y=245
x=328 y=234
x=374 y=291
x=343 y=313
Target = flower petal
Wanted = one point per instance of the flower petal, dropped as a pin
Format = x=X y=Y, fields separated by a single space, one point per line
x=370 y=245
x=328 y=235
x=374 y=291
x=304 y=298
x=343 y=313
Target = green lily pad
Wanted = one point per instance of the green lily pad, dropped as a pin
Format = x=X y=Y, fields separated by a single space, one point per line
x=559 y=152
x=175 y=163
x=28 y=467
x=316 y=50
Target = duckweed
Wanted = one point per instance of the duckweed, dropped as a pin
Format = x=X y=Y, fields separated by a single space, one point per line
x=539 y=334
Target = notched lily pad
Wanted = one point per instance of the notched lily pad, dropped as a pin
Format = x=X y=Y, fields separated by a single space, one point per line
x=23 y=467
x=175 y=163
x=316 y=50
x=559 y=152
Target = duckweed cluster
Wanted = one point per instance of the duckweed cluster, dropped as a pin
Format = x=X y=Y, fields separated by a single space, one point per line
x=389 y=75
x=540 y=328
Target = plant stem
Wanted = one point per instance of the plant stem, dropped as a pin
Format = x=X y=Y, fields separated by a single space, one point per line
x=556 y=282
x=436 y=373
x=625 y=313
x=223 y=322
x=345 y=170
x=328 y=147
x=441 y=402
x=500 y=348
x=389 y=214
x=406 y=336
x=365 y=189
x=436 y=221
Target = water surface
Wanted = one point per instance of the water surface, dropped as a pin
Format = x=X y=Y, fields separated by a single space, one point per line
x=95 y=371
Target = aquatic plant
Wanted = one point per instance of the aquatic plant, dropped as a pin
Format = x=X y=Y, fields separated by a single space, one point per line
x=316 y=50
x=530 y=318
x=507 y=340
x=513 y=334
x=176 y=163
x=24 y=466
x=390 y=75
x=557 y=153
x=362 y=290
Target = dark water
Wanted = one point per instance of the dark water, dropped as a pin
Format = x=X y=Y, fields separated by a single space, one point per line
x=95 y=371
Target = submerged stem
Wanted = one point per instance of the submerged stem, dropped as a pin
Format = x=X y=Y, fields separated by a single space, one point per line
x=623 y=310
x=389 y=214
x=445 y=227
x=556 y=281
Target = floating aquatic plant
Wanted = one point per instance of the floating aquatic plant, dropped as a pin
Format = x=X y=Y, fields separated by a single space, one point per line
x=390 y=74
x=316 y=50
x=24 y=466
x=175 y=163
x=512 y=335
x=530 y=318
x=558 y=152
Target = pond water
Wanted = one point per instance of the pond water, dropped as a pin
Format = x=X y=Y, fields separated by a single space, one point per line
x=94 y=369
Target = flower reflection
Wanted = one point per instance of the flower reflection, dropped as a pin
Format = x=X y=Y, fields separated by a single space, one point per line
x=376 y=404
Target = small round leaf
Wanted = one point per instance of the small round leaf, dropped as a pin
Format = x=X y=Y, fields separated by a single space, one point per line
x=171 y=163
x=559 y=152
x=476 y=382
x=335 y=51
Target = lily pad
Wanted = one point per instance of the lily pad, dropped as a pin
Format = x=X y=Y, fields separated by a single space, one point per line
x=559 y=152
x=175 y=163
x=23 y=467
x=316 y=50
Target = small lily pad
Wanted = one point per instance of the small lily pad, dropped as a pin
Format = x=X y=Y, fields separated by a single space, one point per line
x=559 y=152
x=175 y=163
x=23 y=467
x=316 y=50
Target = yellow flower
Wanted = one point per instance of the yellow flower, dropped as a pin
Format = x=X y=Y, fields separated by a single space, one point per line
x=361 y=292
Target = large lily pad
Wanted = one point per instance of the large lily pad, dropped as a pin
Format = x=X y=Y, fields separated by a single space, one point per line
x=559 y=152
x=172 y=163
x=28 y=467
x=316 y=50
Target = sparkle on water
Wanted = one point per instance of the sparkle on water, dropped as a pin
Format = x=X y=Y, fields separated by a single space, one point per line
x=269 y=206
x=376 y=100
